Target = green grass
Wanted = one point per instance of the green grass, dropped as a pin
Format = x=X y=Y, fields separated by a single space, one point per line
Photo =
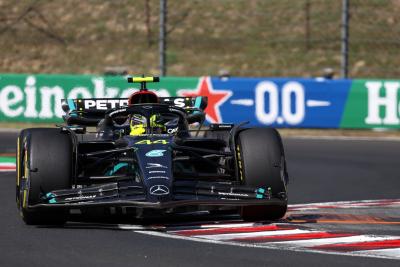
x=245 y=37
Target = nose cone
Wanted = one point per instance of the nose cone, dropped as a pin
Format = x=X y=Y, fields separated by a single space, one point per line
x=155 y=163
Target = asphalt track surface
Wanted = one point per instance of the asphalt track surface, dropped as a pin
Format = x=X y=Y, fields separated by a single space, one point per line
x=320 y=171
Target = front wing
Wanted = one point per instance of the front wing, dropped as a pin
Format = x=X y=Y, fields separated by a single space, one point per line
x=184 y=193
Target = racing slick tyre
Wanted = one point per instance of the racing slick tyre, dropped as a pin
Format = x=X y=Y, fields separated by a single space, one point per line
x=21 y=140
x=19 y=160
x=263 y=165
x=44 y=164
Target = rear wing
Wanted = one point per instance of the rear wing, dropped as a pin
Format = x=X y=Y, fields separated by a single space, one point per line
x=89 y=111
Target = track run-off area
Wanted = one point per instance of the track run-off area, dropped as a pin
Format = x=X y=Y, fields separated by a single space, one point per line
x=344 y=210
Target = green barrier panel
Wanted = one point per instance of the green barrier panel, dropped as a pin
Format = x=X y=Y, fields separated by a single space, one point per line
x=36 y=98
x=372 y=104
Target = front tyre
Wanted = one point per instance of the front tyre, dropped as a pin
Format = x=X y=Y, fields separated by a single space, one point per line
x=45 y=164
x=263 y=165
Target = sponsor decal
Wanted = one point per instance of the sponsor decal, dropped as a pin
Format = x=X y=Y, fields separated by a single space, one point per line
x=155 y=165
x=215 y=98
x=117 y=111
x=304 y=103
x=388 y=102
x=80 y=197
x=239 y=163
x=156 y=153
x=225 y=126
x=372 y=104
x=152 y=142
x=172 y=130
x=178 y=102
x=232 y=194
x=285 y=102
x=102 y=104
x=37 y=98
x=159 y=190
x=175 y=110
x=270 y=102
x=158 y=177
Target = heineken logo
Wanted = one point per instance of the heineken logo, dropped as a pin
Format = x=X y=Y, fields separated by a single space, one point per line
x=29 y=99
x=383 y=103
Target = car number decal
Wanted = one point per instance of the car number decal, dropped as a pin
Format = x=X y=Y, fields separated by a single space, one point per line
x=151 y=142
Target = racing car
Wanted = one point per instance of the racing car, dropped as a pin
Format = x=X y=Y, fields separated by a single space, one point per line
x=149 y=156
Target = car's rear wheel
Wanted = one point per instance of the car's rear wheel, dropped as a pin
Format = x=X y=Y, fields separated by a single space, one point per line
x=44 y=164
x=263 y=165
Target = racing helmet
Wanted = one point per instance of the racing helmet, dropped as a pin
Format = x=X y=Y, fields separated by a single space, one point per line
x=137 y=122
x=142 y=97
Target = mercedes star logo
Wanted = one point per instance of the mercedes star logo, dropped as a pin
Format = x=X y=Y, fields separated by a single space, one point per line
x=159 y=190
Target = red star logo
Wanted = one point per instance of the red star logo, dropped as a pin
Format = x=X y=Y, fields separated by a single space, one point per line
x=215 y=98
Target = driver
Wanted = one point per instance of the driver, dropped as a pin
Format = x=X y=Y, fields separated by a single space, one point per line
x=138 y=123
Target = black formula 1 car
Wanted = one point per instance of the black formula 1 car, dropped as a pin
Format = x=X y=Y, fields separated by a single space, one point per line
x=167 y=167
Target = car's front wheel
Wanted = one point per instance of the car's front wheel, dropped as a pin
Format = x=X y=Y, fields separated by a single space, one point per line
x=44 y=164
x=262 y=164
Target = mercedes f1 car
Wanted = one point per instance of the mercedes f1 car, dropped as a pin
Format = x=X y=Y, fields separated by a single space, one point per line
x=148 y=156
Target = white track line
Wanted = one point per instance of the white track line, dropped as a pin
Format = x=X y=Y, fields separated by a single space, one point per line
x=335 y=240
x=345 y=204
x=254 y=234
x=309 y=245
x=132 y=227
x=227 y=225
x=7 y=167
x=255 y=245
x=388 y=252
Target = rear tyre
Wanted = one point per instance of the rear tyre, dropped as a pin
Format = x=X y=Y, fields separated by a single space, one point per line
x=263 y=165
x=45 y=162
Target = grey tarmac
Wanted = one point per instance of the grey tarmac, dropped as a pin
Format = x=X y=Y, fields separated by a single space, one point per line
x=320 y=171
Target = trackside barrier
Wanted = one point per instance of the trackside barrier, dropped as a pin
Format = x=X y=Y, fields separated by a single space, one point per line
x=279 y=102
